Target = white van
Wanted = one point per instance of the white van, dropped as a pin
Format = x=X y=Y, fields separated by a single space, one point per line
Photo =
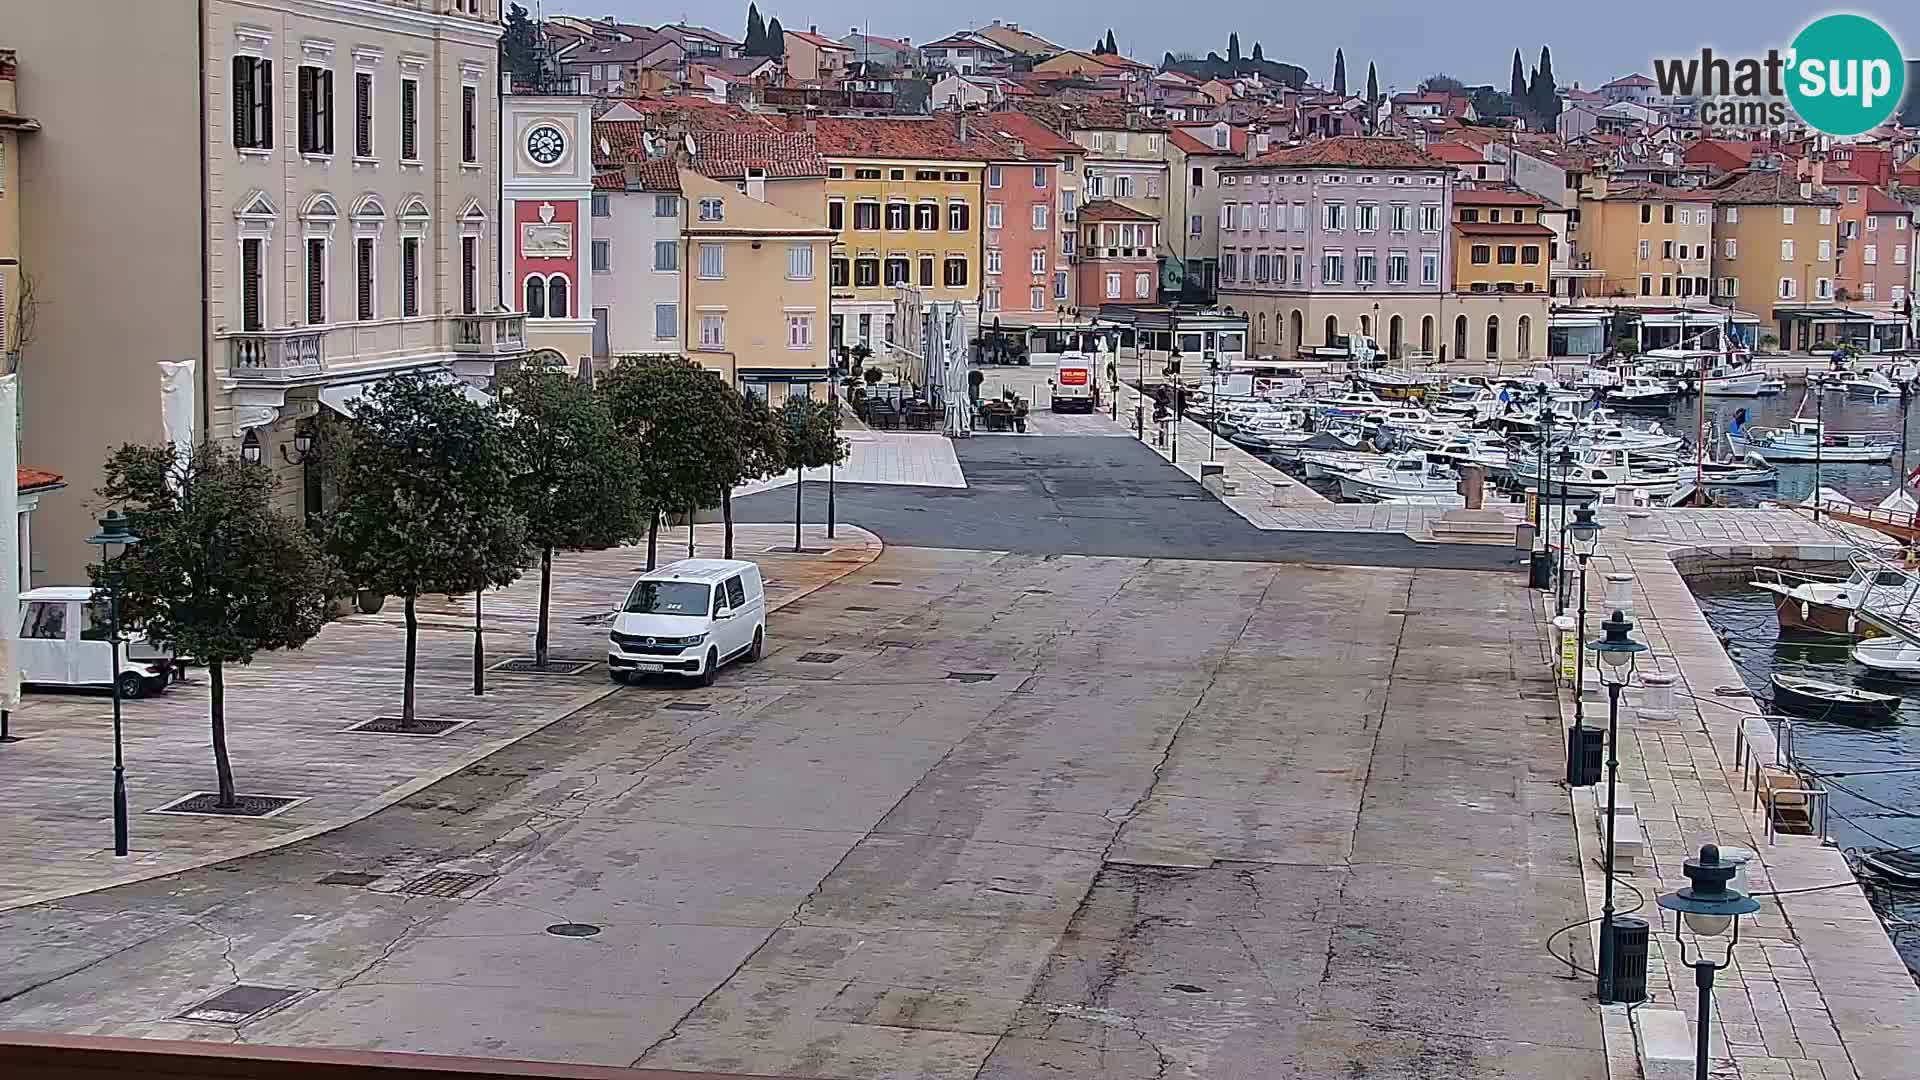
x=688 y=618
x=63 y=642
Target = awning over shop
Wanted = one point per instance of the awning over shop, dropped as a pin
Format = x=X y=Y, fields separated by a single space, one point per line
x=1827 y=315
x=345 y=397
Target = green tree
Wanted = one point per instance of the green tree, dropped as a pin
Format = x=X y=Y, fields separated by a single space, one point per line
x=756 y=42
x=756 y=450
x=1441 y=83
x=520 y=47
x=1109 y=47
x=576 y=483
x=1373 y=97
x=424 y=500
x=666 y=410
x=810 y=432
x=1340 y=72
x=219 y=574
x=1517 y=83
x=1542 y=94
x=1166 y=62
x=1257 y=58
x=1233 y=48
x=776 y=39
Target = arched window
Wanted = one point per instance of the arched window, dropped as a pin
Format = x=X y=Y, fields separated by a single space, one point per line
x=1366 y=325
x=1526 y=337
x=1298 y=330
x=1460 y=337
x=1493 y=336
x=557 y=297
x=1395 y=330
x=1333 y=329
x=1263 y=328
x=1426 y=334
x=536 y=297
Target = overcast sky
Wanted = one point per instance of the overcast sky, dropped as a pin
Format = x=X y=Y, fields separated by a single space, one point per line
x=1410 y=39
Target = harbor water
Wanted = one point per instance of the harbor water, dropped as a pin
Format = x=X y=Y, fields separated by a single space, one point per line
x=1864 y=484
x=1872 y=770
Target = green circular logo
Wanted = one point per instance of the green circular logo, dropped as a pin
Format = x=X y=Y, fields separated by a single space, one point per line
x=1846 y=74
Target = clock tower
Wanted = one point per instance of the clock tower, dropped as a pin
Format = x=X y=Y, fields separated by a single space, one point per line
x=546 y=191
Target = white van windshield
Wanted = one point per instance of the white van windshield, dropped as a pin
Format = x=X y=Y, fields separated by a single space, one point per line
x=668 y=598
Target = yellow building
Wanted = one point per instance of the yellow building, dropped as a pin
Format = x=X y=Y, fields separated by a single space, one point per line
x=1647 y=240
x=1500 y=244
x=904 y=200
x=1774 y=252
x=756 y=282
x=12 y=124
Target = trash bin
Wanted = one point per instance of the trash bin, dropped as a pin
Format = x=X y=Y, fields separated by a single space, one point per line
x=1630 y=942
x=1585 y=746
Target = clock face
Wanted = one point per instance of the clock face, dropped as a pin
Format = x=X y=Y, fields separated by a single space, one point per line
x=545 y=144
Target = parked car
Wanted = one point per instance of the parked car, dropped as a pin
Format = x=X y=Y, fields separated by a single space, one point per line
x=63 y=642
x=689 y=618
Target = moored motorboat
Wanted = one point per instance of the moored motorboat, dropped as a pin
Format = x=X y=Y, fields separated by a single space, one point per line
x=1641 y=392
x=1812 y=606
x=1898 y=865
x=1771 y=385
x=1827 y=699
x=1807 y=439
x=1406 y=476
x=1889 y=658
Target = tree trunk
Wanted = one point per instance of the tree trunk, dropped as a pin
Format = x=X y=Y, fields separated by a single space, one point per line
x=217 y=708
x=406 y=687
x=653 y=538
x=799 y=484
x=690 y=533
x=546 y=594
x=726 y=518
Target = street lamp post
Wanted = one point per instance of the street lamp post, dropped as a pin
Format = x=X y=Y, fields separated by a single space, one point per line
x=1616 y=653
x=114 y=531
x=1173 y=396
x=1708 y=906
x=1560 y=593
x=1586 y=537
x=1213 y=368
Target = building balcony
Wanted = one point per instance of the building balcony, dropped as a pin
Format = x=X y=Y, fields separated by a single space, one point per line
x=497 y=333
x=277 y=357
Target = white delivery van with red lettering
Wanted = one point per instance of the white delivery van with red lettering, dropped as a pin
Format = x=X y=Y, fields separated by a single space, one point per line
x=1075 y=385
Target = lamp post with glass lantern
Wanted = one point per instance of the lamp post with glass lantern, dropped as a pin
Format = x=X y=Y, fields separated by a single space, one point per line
x=1565 y=461
x=1173 y=399
x=1213 y=368
x=1585 y=532
x=1616 y=654
x=1708 y=906
x=114 y=531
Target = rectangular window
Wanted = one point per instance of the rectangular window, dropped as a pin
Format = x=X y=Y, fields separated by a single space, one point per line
x=1369 y=217
x=666 y=205
x=839 y=273
x=1869 y=254
x=713 y=210
x=470 y=125
x=602 y=205
x=1733 y=215
x=1226 y=217
x=1866 y=290
x=666 y=322
x=713 y=261
x=926 y=271
x=896 y=271
x=956 y=275
x=1037 y=298
x=1142 y=286
x=470 y=274
x=1060 y=285
x=1401 y=217
x=1666 y=249
x=1429 y=268
x=1262 y=267
x=603 y=256
x=713 y=331
x=837 y=214
x=1667 y=213
x=1730 y=287
x=926 y=217
x=666 y=255
x=1646 y=250
x=1786 y=215
x=1039 y=261
x=800 y=262
x=993 y=260
x=410 y=276
x=1262 y=217
x=866 y=216
x=992 y=298
x=1646 y=214
x=1039 y=177
x=1430 y=217
x=1396 y=268
x=993 y=215
x=1481 y=255
x=1196 y=224
x=1899 y=254
x=363 y=114
x=409 y=120
x=316 y=110
x=957 y=217
x=316 y=282
x=1508 y=255
x=1732 y=248
x=1873 y=223
x=1332 y=268
x=1823 y=288
x=1530 y=255
x=866 y=272
x=363 y=277
x=1113 y=286
x=1336 y=216
x=993 y=176
x=1364 y=268
x=1040 y=217
x=252 y=103
x=252 y=288
x=899 y=217
x=1646 y=285
x=1786 y=248
x=799 y=331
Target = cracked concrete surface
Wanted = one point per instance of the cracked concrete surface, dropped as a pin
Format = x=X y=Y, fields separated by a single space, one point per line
x=1209 y=819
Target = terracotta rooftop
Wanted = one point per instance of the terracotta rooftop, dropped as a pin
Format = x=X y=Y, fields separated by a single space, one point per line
x=1108 y=210
x=1457 y=153
x=1495 y=197
x=41 y=479
x=610 y=180
x=1748 y=187
x=1199 y=141
x=1039 y=138
x=817 y=41
x=1352 y=152
x=1650 y=192
x=1879 y=202
x=1635 y=79
x=1835 y=174
x=933 y=138
x=1503 y=228
x=727 y=153
x=617 y=141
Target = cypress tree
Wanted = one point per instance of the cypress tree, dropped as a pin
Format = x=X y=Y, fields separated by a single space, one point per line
x=1517 y=87
x=1233 y=48
x=756 y=43
x=1340 y=72
x=1112 y=49
x=776 y=39
x=1257 y=58
x=1373 y=97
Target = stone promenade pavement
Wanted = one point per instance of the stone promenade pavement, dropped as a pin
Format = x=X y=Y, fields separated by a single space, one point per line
x=288 y=714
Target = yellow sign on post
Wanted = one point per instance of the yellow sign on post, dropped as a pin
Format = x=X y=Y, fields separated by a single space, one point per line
x=1569 y=656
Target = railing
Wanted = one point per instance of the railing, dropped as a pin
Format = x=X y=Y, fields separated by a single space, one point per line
x=275 y=356
x=499 y=333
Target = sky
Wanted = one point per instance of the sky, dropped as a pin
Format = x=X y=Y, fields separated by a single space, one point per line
x=1409 y=39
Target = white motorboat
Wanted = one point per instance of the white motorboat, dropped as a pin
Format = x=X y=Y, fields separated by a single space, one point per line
x=1807 y=439
x=1471 y=450
x=1428 y=436
x=1353 y=403
x=1291 y=446
x=1404 y=476
x=1811 y=605
x=1400 y=417
x=1648 y=440
x=1466 y=386
x=1872 y=385
x=1254 y=432
x=1333 y=464
x=1735 y=382
x=1772 y=385
x=1888 y=658
x=1474 y=408
x=1592 y=472
x=1641 y=392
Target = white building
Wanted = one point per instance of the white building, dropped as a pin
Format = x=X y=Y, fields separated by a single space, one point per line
x=636 y=258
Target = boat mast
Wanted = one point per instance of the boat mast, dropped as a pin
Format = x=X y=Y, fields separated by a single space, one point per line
x=1819 y=441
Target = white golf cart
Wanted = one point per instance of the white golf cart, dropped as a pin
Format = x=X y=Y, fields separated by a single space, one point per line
x=63 y=642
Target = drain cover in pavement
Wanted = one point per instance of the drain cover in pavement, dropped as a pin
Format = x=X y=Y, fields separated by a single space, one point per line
x=419 y=727
x=451 y=884
x=355 y=880
x=207 y=804
x=240 y=1004
x=556 y=665
x=971 y=676
x=818 y=657
x=573 y=929
x=861 y=607
x=688 y=706
x=885 y=584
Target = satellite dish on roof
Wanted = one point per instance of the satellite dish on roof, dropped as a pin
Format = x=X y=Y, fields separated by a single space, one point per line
x=605 y=150
x=691 y=148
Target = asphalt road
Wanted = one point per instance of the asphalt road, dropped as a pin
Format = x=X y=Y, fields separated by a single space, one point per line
x=976 y=815
x=1094 y=495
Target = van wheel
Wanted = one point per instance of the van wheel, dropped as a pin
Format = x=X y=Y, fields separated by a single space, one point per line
x=711 y=674
x=759 y=646
x=132 y=685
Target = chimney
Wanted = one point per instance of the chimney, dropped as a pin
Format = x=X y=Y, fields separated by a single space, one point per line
x=963 y=124
x=1254 y=137
x=756 y=184
x=906 y=41
x=811 y=29
x=1806 y=190
x=631 y=172
x=813 y=122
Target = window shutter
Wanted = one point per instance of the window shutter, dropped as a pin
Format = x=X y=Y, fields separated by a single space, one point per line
x=468 y=107
x=326 y=112
x=316 y=282
x=410 y=276
x=362 y=114
x=250 y=285
x=242 y=98
x=364 y=274
x=308 y=106
x=469 y=274
x=409 y=103
x=262 y=97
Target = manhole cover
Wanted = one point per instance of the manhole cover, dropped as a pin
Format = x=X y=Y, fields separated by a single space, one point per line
x=451 y=884
x=971 y=676
x=573 y=929
x=418 y=727
x=688 y=706
x=861 y=607
x=886 y=584
x=207 y=804
x=818 y=657
x=241 y=1004
x=526 y=665
x=354 y=879
x=787 y=549
x=1189 y=988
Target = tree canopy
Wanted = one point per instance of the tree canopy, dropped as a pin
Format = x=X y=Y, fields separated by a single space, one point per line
x=1233 y=48
x=520 y=47
x=756 y=37
x=1340 y=72
x=1440 y=83
x=776 y=39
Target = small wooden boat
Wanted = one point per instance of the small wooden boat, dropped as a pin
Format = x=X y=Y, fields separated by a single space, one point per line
x=1821 y=698
x=1895 y=864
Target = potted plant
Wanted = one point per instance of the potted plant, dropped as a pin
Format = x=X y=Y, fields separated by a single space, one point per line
x=369 y=601
x=1769 y=342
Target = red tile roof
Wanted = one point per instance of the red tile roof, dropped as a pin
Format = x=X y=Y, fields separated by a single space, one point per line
x=1503 y=228
x=1636 y=79
x=1835 y=174
x=1353 y=152
x=617 y=141
x=658 y=175
x=1495 y=197
x=727 y=153
x=1457 y=153
x=1039 y=138
x=1768 y=188
x=1108 y=210
x=610 y=180
x=932 y=138
x=1639 y=191
x=38 y=479
x=817 y=41
x=1879 y=202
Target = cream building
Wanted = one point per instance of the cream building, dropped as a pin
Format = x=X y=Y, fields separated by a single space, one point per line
x=316 y=206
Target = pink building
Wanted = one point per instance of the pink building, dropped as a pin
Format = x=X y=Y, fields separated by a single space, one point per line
x=1022 y=244
x=1117 y=260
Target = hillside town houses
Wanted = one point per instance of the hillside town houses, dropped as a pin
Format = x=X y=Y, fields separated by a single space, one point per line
x=382 y=191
